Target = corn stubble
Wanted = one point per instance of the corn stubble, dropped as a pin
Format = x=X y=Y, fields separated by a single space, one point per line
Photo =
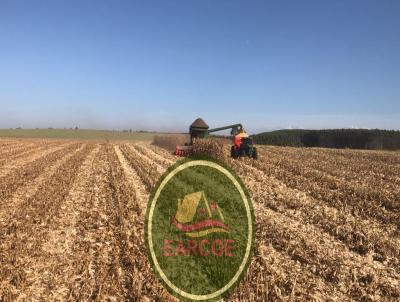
x=327 y=222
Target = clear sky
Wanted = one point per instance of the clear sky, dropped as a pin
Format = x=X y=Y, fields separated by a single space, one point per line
x=160 y=64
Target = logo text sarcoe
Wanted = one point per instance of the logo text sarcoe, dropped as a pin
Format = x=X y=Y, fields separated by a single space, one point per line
x=199 y=248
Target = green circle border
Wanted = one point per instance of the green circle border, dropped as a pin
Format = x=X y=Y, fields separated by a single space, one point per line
x=252 y=236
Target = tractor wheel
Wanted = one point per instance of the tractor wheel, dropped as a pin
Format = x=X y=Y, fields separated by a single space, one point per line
x=243 y=151
x=234 y=153
x=254 y=153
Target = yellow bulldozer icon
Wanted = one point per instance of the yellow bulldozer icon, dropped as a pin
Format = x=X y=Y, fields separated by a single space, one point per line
x=197 y=217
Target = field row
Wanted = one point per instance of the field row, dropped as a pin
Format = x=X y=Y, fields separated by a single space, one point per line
x=334 y=262
x=72 y=219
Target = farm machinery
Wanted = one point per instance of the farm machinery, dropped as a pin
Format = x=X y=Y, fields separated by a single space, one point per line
x=242 y=144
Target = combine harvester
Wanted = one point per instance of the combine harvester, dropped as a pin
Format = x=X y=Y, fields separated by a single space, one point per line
x=242 y=143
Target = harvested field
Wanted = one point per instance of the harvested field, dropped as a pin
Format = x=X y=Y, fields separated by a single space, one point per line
x=72 y=219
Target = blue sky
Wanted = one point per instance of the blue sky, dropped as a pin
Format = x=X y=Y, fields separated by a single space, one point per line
x=160 y=64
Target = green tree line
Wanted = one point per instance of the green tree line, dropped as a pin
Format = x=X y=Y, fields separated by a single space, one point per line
x=332 y=138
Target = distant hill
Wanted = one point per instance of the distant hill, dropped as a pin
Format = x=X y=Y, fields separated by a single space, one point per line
x=332 y=138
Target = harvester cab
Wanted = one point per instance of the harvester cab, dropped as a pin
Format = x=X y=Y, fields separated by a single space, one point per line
x=242 y=143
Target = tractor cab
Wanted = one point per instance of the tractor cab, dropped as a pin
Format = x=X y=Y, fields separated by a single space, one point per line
x=243 y=146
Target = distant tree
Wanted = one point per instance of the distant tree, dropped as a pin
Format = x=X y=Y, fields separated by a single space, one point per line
x=332 y=138
x=76 y=128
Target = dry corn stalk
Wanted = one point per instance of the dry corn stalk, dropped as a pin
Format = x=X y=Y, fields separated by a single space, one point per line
x=169 y=142
x=209 y=147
